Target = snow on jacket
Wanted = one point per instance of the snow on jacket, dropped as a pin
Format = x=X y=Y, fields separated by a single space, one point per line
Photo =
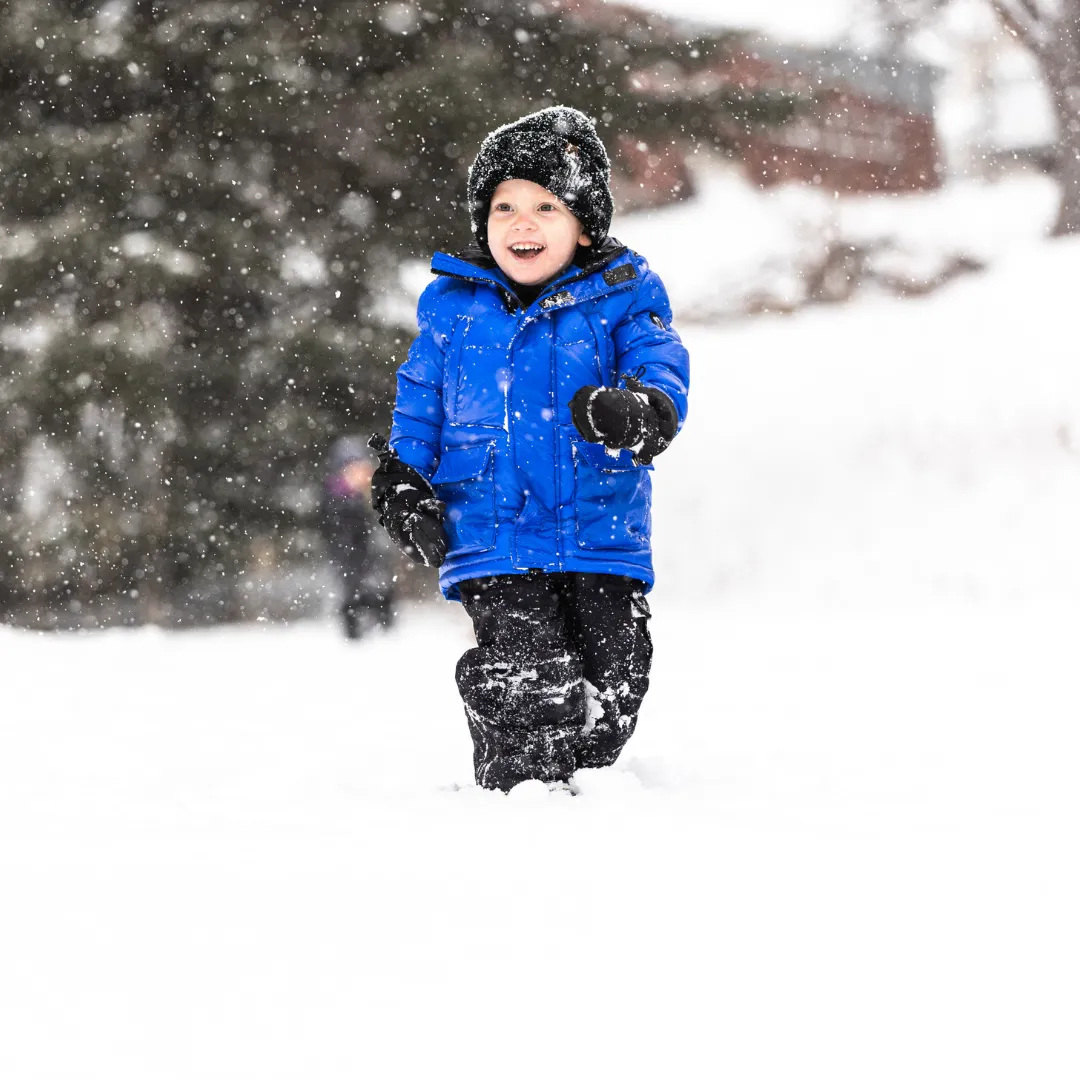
x=483 y=411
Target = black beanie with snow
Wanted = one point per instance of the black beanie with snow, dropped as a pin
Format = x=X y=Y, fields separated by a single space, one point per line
x=557 y=148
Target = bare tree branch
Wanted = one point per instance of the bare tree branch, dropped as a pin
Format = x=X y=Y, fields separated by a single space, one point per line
x=1032 y=12
x=1026 y=33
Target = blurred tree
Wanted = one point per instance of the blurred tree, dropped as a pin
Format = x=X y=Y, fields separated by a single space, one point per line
x=896 y=28
x=203 y=209
x=1051 y=30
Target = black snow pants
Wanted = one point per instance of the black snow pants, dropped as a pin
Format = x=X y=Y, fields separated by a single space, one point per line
x=558 y=675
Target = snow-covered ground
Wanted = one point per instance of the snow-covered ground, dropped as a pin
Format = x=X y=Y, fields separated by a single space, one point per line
x=842 y=843
x=840 y=846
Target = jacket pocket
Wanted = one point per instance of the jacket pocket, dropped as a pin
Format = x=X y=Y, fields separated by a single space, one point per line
x=464 y=480
x=612 y=499
x=480 y=386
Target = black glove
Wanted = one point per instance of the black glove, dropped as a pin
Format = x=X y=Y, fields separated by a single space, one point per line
x=640 y=418
x=407 y=507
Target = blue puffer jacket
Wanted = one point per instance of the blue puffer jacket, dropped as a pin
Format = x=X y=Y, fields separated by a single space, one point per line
x=483 y=411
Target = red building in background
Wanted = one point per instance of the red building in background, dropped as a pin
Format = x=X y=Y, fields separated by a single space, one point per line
x=864 y=123
x=867 y=123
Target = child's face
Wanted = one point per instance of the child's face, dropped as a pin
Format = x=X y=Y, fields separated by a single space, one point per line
x=531 y=234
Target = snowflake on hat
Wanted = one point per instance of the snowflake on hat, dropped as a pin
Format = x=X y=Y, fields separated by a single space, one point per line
x=557 y=148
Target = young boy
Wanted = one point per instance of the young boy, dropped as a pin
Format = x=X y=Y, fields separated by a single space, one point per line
x=545 y=379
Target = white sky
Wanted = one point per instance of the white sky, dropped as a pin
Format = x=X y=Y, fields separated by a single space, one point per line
x=813 y=22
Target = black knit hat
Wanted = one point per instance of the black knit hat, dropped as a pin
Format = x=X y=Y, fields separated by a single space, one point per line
x=557 y=148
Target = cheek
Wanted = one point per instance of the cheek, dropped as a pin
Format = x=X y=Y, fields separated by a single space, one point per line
x=566 y=239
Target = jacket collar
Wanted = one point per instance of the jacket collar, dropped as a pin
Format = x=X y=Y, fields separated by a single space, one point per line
x=582 y=280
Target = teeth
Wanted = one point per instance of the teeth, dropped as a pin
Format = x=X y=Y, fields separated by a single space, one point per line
x=526 y=247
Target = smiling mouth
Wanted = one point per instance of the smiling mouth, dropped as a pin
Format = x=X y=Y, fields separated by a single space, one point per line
x=526 y=251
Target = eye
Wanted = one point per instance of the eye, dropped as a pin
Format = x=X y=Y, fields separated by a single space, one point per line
x=547 y=206
x=501 y=208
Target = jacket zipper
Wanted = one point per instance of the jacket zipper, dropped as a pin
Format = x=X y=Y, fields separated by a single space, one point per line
x=560 y=544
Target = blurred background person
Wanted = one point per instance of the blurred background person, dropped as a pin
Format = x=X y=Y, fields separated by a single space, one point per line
x=359 y=551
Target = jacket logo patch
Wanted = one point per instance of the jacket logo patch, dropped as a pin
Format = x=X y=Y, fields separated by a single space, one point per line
x=555 y=299
x=618 y=274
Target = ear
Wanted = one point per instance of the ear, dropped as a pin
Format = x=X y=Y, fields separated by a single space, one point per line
x=585 y=240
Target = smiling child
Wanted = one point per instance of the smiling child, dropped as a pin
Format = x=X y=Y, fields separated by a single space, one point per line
x=545 y=379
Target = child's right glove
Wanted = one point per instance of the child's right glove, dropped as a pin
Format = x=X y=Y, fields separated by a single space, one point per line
x=639 y=418
x=407 y=507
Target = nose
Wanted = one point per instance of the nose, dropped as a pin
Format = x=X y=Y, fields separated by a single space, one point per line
x=523 y=220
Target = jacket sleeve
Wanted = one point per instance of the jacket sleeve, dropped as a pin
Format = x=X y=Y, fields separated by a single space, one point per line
x=418 y=407
x=646 y=343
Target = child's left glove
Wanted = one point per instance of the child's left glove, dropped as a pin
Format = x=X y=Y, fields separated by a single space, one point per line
x=407 y=507
x=639 y=418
